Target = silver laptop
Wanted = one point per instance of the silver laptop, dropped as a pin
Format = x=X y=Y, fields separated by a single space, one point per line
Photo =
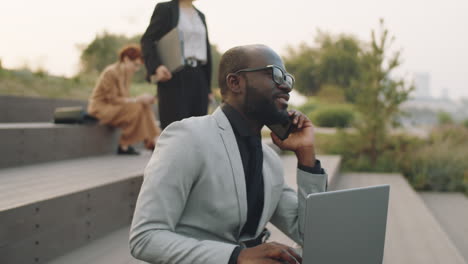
x=170 y=50
x=346 y=226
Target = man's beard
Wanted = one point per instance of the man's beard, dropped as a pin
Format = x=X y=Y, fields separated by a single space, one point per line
x=263 y=108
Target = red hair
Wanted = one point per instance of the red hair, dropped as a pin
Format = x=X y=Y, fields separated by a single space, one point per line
x=133 y=52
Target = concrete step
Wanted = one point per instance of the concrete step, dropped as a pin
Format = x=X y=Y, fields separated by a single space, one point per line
x=49 y=209
x=17 y=109
x=23 y=109
x=451 y=210
x=29 y=143
x=112 y=248
x=414 y=236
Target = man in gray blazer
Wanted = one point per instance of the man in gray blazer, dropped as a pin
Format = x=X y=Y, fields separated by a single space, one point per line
x=211 y=186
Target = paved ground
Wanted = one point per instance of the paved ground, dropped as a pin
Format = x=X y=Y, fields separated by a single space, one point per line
x=451 y=211
x=413 y=234
x=421 y=132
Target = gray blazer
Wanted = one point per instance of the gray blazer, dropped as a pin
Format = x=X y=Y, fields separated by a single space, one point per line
x=193 y=203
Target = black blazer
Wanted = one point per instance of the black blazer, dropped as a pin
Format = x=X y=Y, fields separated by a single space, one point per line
x=166 y=17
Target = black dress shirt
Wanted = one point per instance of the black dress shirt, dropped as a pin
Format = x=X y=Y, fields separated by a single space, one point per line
x=250 y=148
x=251 y=153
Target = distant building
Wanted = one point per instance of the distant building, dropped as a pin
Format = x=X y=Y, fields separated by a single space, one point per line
x=423 y=109
x=444 y=94
x=422 y=85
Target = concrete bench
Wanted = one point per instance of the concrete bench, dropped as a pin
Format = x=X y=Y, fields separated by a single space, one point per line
x=48 y=209
x=22 y=109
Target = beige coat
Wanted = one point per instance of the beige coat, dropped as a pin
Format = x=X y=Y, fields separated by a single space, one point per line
x=108 y=104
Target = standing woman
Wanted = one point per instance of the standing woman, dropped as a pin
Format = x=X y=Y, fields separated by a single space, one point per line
x=185 y=93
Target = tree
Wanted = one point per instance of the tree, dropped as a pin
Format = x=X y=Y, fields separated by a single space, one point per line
x=339 y=61
x=334 y=62
x=302 y=62
x=103 y=50
x=379 y=94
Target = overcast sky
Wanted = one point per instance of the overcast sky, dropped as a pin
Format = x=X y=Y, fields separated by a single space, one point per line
x=433 y=34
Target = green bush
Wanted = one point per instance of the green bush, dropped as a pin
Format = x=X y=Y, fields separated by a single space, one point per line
x=465 y=123
x=439 y=163
x=346 y=144
x=331 y=94
x=333 y=116
x=442 y=163
x=388 y=160
x=309 y=106
x=444 y=118
x=330 y=144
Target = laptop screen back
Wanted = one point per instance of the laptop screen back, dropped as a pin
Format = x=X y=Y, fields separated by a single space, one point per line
x=346 y=226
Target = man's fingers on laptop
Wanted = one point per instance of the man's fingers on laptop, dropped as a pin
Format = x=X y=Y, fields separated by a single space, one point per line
x=296 y=256
x=287 y=257
x=285 y=253
x=269 y=253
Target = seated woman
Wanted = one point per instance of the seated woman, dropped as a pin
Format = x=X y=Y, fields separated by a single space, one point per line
x=111 y=103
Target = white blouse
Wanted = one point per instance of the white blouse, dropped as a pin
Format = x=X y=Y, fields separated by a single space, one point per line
x=193 y=33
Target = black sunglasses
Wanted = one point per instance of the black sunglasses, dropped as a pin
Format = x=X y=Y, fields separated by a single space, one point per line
x=277 y=74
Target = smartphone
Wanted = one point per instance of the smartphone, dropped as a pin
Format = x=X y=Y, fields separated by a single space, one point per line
x=282 y=130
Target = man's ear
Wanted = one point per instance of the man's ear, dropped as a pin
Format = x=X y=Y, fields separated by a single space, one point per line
x=233 y=82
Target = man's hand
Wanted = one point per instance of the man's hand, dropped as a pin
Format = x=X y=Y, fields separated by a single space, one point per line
x=301 y=140
x=269 y=253
x=163 y=74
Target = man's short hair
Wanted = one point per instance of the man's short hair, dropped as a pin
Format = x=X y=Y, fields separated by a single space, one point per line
x=232 y=60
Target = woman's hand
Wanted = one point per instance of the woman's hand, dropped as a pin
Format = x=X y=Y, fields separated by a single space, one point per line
x=146 y=99
x=163 y=74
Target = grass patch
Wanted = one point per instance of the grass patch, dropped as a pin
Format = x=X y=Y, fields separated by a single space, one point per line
x=40 y=84
x=27 y=83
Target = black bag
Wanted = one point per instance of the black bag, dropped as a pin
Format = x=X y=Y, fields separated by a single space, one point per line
x=73 y=115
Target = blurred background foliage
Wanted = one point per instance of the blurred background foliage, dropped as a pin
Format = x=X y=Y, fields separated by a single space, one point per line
x=441 y=163
x=339 y=116
x=334 y=60
x=95 y=56
x=349 y=87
